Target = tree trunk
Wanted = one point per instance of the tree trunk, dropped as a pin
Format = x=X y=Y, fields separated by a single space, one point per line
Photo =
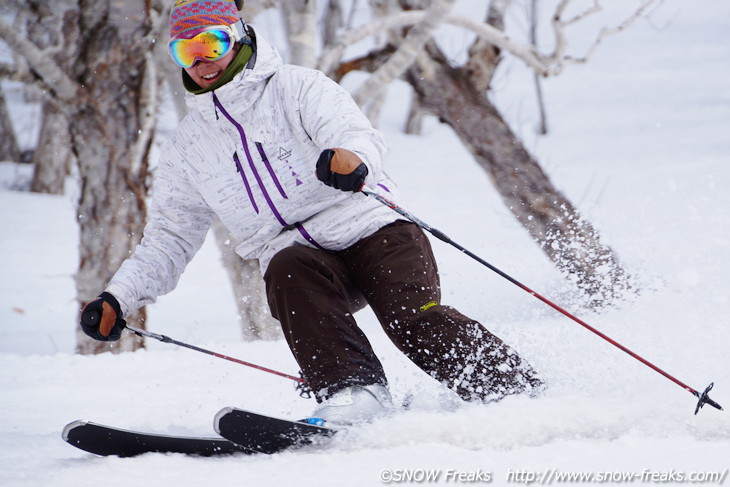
x=9 y=150
x=414 y=121
x=49 y=26
x=300 y=22
x=248 y=289
x=52 y=157
x=112 y=65
x=332 y=22
x=567 y=238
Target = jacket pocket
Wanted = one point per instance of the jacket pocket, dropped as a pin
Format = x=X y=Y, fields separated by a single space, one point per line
x=240 y=170
x=267 y=164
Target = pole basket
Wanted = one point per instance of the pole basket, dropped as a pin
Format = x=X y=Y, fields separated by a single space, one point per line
x=705 y=399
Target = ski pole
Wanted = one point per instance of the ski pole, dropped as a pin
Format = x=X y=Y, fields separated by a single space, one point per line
x=702 y=396
x=167 y=339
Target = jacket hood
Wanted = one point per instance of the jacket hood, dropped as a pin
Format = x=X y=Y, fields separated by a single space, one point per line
x=245 y=88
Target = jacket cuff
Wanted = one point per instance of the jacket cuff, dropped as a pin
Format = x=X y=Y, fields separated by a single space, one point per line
x=370 y=178
x=118 y=295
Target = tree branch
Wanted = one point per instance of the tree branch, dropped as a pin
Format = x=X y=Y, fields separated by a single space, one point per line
x=544 y=65
x=368 y=63
x=331 y=56
x=13 y=72
x=406 y=53
x=484 y=57
x=559 y=57
x=55 y=79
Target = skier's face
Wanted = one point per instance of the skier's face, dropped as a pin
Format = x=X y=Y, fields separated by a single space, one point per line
x=205 y=73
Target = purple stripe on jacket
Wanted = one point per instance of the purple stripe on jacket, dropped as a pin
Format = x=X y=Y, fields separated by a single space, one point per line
x=302 y=231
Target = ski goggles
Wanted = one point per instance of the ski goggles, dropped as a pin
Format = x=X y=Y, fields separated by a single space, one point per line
x=210 y=44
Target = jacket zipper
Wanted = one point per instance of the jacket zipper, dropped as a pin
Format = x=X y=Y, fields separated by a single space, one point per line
x=302 y=231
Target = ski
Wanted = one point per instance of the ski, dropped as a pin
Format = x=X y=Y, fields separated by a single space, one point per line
x=109 y=441
x=241 y=432
x=265 y=434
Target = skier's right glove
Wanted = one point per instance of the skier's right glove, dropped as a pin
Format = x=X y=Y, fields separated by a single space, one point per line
x=102 y=320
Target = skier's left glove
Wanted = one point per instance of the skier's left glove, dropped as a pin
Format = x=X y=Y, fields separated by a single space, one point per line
x=102 y=320
x=341 y=169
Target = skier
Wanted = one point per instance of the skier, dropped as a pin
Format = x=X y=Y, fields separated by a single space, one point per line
x=279 y=153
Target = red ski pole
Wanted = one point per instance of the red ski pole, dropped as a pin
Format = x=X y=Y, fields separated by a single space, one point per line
x=702 y=396
x=167 y=339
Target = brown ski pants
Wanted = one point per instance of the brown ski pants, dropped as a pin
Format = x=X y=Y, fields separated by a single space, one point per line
x=314 y=293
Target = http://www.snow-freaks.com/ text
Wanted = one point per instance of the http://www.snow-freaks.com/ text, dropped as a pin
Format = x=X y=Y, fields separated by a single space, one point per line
x=549 y=476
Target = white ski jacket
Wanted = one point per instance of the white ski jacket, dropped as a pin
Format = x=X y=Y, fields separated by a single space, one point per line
x=247 y=153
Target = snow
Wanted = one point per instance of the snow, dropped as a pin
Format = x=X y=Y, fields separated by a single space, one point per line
x=639 y=141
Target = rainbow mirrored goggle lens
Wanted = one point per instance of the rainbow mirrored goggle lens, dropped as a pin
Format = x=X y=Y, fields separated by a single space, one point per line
x=211 y=44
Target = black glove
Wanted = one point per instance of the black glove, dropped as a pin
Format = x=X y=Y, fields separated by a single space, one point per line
x=341 y=169
x=103 y=313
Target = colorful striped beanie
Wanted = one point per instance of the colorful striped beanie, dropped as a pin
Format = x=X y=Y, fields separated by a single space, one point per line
x=188 y=15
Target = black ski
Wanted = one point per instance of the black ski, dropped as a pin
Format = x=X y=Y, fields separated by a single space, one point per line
x=106 y=440
x=265 y=434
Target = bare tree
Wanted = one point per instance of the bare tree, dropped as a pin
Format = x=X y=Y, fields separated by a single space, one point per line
x=567 y=238
x=47 y=25
x=458 y=96
x=108 y=92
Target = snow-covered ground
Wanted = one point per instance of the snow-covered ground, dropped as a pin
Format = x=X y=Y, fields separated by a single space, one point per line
x=640 y=141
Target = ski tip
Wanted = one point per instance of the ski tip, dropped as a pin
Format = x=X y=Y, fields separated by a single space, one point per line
x=70 y=427
x=219 y=415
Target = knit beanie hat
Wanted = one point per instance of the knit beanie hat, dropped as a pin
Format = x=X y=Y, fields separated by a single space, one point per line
x=189 y=15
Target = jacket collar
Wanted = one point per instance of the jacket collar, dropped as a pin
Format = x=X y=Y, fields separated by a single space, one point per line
x=244 y=89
